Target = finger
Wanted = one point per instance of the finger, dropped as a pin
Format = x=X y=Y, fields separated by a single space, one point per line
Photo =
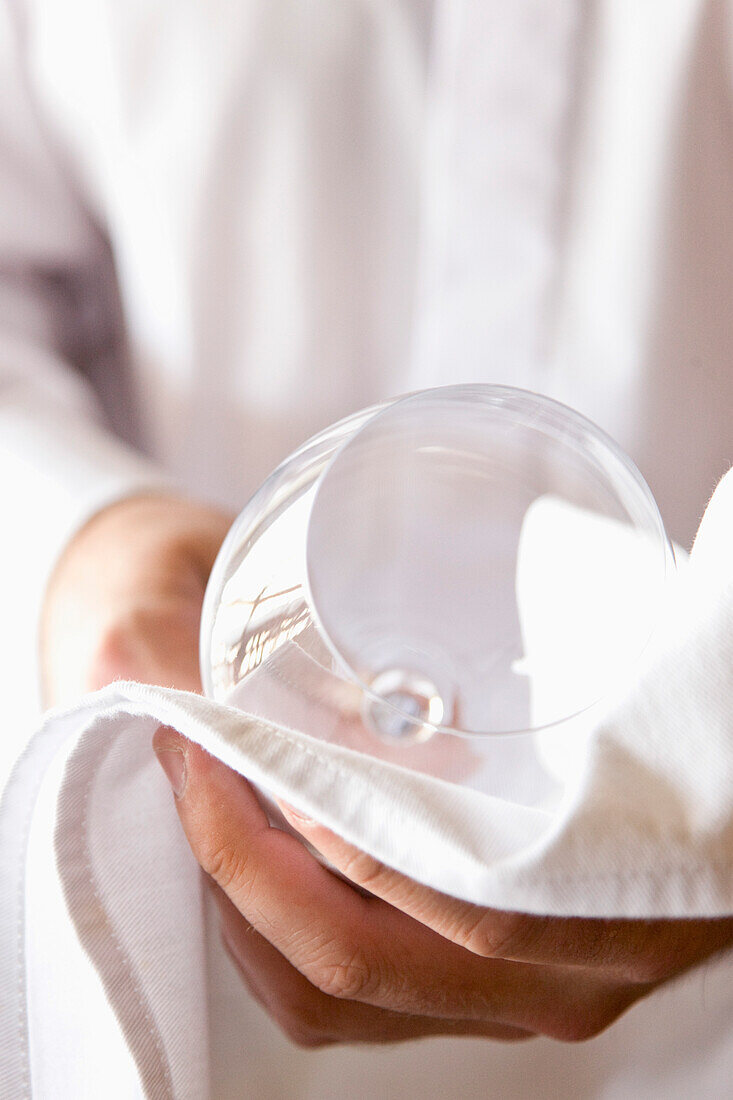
x=309 y=1017
x=640 y=951
x=360 y=948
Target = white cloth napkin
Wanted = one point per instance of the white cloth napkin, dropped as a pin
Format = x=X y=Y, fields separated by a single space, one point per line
x=90 y=849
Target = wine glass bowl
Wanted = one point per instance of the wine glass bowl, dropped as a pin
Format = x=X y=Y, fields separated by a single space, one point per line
x=433 y=577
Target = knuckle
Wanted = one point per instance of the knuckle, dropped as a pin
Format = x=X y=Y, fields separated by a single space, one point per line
x=122 y=645
x=304 y=1024
x=500 y=935
x=653 y=967
x=348 y=976
x=652 y=955
x=227 y=866
x=580 y=1022
x=112 y=654
x=576 y=1028
x=362 y=869
x=299 y=1016
x=305 y=1039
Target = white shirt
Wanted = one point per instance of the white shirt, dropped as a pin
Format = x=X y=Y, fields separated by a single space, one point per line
x=228 y=224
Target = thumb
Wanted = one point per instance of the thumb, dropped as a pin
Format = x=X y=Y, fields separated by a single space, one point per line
x=287 y=896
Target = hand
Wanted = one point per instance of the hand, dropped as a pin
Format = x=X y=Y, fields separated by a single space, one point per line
x=124 y=601
x=333 y=965
x=330 y=964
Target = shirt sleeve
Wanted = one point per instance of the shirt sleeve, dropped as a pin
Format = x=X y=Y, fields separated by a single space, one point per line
x=59 y=461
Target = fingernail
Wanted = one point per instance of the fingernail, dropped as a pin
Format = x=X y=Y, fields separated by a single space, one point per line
x=173 y=763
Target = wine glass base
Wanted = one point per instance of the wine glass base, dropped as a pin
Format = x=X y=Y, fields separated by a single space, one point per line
x=408 y=708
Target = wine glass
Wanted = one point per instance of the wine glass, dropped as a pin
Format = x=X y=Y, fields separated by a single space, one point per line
x=458 y=581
